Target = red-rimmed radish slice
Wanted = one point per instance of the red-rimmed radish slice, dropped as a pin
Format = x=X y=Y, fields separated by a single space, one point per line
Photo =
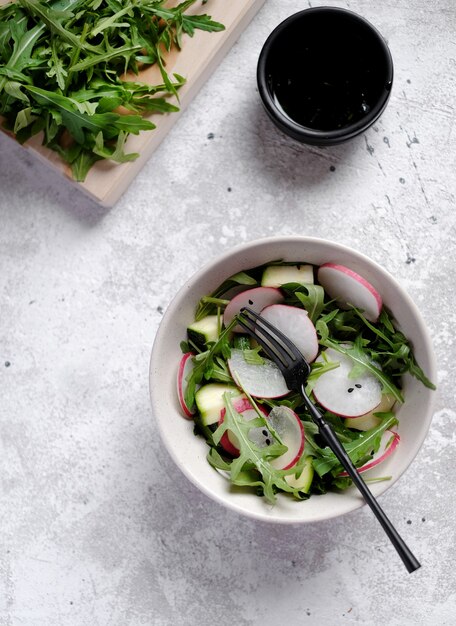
x=349 y=288
x=388 y=444
x=295 y=324
x=229 y=441
x=256 y=299
x=370 y=420
x=337 y=392
x=290 y=430
x=260 y=381
x=283 y=421
x=185 y=368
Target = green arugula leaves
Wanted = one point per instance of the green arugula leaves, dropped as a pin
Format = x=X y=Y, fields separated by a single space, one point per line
x=251 y=467
x=360 y=447
x=63 y=66
x=379 y=348
x=370 y=344
x=206 y=305
x=208 y=365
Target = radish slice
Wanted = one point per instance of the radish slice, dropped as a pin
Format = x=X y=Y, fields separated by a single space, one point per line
x=370 y=420
x=260 y=381
x=345 y=396
x=229 y=441
x=388 y=444
x=185 y=368
x=256 y=299
x=295 y=324
x=289 y=428
x=349 y=288
x=284 y=422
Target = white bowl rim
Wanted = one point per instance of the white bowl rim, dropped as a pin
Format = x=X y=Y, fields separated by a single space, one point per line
x=378 y=488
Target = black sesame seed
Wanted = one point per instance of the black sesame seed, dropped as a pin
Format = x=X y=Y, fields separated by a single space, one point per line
x=265 y=432
x=268 y=442
x=350 y=389
x=250 y=302
x=358 y=386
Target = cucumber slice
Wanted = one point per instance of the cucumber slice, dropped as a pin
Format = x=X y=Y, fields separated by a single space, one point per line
x=304 y=481
x=204 y=330
x=277 y=275
x=209 y=401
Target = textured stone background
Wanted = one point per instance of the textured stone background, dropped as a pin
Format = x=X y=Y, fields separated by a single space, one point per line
x=97 y=525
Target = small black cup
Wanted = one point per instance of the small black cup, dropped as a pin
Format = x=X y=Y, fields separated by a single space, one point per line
x=325 y=75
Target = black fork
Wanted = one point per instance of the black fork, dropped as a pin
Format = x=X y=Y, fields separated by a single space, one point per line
x=295 y=370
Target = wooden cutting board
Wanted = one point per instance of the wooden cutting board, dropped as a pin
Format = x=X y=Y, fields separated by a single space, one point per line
x=199 y=56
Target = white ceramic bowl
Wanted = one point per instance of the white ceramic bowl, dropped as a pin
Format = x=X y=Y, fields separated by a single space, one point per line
x=189 y=451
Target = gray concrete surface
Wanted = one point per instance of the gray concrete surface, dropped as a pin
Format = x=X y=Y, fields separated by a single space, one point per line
x=97 y=526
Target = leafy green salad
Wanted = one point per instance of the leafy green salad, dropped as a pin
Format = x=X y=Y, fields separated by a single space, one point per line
x=260 y=434
x=63 y=72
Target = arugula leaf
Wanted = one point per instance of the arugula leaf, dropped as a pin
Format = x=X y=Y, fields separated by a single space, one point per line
x=206 y=307
x=56 y=66
x=395 y=347
x=250 y=453
x=52 y=19
x=219 y=371
x=126 y=52
x=116 y=153
x=205 y=364
x=360 y=449
x=66 y=60
x=76 y=122
x=310 y=297
x=82 y=164
x=322 y=325
x=359 y=357
x=252 y=357
x=13 y=89
x=71 y=118
x=24 y=118
x=317 y=369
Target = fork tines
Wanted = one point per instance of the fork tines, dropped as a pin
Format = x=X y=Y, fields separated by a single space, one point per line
x=274 y=342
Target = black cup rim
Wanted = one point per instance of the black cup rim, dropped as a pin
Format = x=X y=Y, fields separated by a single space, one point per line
x=311 y=135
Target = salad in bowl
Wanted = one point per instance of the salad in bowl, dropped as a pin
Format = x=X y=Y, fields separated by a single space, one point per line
x=260 y=434
x=228 y=418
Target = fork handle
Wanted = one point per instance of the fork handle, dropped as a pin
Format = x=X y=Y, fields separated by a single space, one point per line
x=326 y=431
